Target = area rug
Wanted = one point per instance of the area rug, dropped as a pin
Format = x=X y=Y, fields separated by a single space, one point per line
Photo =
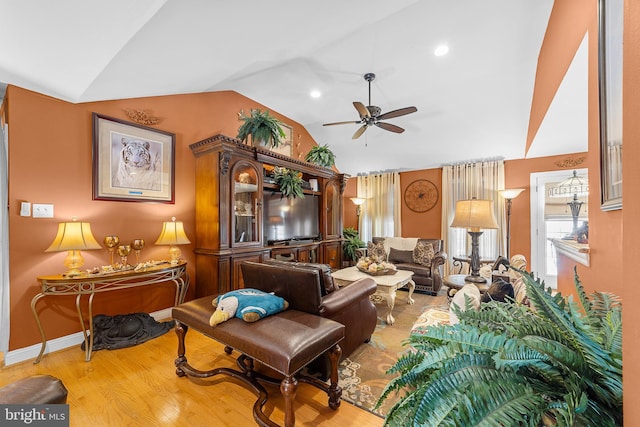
x=362 y=375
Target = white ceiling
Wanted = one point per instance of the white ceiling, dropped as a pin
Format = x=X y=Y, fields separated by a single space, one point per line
x=472 y=103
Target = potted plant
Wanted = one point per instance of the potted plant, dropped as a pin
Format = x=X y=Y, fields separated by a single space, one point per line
x=321 y=156
x=262 y=127
x=351 y=244
x=556 y=363
x=289 y=181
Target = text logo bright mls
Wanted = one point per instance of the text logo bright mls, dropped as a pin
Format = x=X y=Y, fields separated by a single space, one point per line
x=34 y=415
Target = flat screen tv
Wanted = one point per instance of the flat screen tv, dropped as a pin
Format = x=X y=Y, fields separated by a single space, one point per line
x=290 y=218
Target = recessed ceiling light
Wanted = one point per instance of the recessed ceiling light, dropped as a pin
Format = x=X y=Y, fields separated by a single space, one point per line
x=441 y=50
x=315 y=93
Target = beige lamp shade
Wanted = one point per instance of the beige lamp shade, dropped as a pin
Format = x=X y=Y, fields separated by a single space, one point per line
x=73 y=237
x=173 y=234
x=474 y=214
x=357 y=201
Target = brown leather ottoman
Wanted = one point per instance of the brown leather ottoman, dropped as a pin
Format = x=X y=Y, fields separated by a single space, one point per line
x=285 y=342
x=37 y=390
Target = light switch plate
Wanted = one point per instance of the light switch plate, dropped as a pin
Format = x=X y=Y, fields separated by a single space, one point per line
x=25 y=209
x=42 y=210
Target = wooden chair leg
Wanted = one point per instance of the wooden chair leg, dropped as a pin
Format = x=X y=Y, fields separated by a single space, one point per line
x=334 y=392
x=181 y=332
x=288 y=388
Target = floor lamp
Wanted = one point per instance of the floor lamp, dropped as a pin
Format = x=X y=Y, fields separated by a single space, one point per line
x=508 y=196
x=474 y=215
x=358 y=202
x=575 y=186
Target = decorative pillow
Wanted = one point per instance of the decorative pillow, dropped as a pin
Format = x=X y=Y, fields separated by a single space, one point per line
x=376 y=251
x=500 y=290
x=396 y=256
x=520 y=292
x=423 y=253
x=468 y=292
x=248 y=304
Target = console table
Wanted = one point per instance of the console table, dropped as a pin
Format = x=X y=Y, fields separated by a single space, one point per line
x=92 y=284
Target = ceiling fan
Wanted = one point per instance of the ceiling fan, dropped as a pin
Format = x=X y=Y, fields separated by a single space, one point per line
x=370 y=115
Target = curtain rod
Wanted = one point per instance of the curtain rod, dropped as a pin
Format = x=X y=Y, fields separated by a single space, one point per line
x=473 y=161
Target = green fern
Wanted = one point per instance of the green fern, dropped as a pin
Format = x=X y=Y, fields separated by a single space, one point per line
x=556 y=363
x=289 y=181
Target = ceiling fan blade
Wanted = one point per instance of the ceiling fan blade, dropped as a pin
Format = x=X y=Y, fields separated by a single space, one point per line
x=350 y=122
x=390 y=127
x=397 y=113
x=359 y=132
x=362 y=110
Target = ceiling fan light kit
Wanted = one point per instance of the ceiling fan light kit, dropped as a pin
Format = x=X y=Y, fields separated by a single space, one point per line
x=370 y=115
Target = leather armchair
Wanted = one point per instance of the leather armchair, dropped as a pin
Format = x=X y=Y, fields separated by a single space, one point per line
x=309 y=287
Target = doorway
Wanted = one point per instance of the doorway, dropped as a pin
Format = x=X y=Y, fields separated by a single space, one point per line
x=550 y=219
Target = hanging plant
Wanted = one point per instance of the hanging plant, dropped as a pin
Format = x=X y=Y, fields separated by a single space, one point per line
x=289 y=181
x=321 y=156
x=262 y=127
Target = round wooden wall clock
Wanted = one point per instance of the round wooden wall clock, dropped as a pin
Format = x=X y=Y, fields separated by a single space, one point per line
x=421 y=195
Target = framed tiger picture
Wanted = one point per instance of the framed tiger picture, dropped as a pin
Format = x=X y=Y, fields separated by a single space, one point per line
x=132 y=162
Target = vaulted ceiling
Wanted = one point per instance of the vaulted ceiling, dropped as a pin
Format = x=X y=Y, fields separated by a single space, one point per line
x=473 y=103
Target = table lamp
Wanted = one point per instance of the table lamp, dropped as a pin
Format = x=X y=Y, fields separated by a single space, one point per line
x=509 y=195
x=73 y=237
x=473 y=215
x=173 y=235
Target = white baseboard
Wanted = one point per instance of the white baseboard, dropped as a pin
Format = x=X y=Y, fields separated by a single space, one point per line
x=31 y=352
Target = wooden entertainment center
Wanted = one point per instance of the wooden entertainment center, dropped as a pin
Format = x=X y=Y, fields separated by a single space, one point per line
x=230 y=192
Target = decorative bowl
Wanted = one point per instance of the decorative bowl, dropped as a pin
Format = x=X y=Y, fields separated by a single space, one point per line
x=386 y=272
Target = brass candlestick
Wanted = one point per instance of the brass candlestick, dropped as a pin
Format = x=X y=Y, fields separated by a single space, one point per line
x=111 y=242
x=137 y=245
x=124 y=251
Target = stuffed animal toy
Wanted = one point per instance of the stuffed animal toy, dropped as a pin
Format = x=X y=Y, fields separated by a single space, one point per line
x=249 y=305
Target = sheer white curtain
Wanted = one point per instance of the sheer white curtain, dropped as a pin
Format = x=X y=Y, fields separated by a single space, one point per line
x=4 y=239
x=464 y=181
x=380 y=216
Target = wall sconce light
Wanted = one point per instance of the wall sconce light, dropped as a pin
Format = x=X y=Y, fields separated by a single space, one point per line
x=509 y=195
x=473 y=215
x=358 y=202
x=173 y=235
x=73 y=237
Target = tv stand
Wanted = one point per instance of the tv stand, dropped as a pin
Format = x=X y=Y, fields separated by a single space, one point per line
x=230 y=188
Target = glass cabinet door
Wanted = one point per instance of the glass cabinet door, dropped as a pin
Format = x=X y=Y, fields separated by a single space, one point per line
x=246 y=190
x=332 y=200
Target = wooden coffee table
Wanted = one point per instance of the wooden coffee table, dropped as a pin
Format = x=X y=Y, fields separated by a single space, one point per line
x=387 y=285
x=455 y=282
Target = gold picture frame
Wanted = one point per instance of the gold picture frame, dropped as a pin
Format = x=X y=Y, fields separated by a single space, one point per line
x=132 y=162
x=286 y=145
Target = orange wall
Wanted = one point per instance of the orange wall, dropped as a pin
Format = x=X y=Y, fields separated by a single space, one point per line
x=630 y=290
x=50 y=144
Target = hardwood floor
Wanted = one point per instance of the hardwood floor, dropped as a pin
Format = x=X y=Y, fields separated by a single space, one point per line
x=137 y=386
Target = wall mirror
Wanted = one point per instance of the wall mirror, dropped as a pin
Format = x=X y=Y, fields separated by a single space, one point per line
x=610 y=21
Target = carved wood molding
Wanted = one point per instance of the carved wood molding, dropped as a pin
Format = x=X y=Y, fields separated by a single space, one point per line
x=570 y=162
x=142 y=117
